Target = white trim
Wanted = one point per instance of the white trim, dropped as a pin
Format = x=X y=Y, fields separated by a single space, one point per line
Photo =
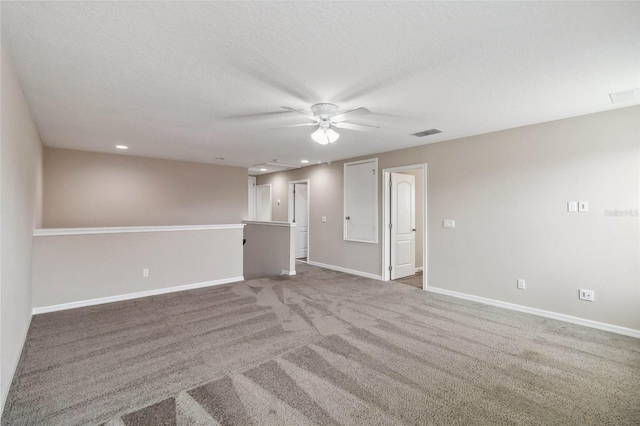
x=128 y=229
x=260 y=222
x=129 y=296
x=285 y=272
x=344 y=201
x=13 y=367
x=386 y=254
x=346 y=270
x=540 y=312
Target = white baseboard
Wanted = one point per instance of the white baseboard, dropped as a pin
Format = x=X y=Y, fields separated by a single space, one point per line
x=285 y=272
x=540 y=312
x=13 y=367
x=129 y=296
x=346 y=270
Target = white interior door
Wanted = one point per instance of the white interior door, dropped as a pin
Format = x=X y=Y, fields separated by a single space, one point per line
x=252 y=198
x=403 y=219
x=263 y=203
x=301 y=219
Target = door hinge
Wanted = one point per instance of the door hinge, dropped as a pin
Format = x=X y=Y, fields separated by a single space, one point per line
x=390 y=183
x=390 y=225
x=390 y=268
x=374 y=171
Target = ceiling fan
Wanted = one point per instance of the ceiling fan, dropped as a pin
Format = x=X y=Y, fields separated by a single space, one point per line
x=326 y=117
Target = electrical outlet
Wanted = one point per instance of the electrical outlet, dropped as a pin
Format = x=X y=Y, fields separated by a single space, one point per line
x=448 y=223
x=521 y=284
x=145 y=272
x=587 y=295
x=324 y=219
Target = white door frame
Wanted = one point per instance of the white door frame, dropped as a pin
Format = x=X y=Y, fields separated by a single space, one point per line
x=386 y=220
x=290 y=210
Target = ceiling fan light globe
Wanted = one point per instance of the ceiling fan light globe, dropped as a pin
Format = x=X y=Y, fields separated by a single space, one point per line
x=332 y=135
x=320 y=136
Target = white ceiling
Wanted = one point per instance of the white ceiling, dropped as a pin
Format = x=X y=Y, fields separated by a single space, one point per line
x=196 y=81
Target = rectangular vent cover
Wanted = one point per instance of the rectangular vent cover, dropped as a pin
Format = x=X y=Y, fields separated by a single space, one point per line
x=427 y=132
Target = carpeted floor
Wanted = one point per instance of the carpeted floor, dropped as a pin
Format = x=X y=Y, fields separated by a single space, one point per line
x=321 y=347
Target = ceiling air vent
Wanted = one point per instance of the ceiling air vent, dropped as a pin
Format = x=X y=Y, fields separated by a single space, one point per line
x=427 y=132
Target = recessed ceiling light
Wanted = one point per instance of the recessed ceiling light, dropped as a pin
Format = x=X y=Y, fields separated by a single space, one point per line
x=122 y=147
x=263 y=170
x=631 y=95
x=304 y=161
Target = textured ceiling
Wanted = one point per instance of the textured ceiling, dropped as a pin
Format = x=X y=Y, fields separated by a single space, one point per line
x=196 y=81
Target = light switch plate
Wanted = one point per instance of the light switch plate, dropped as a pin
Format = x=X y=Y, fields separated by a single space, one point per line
x=587 y=295
x=324 y=219
x=583 y=206
x=572 y=206
x=521 y=284
x=448 y=223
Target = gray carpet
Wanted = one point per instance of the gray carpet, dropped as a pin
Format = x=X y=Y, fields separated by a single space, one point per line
x=321 y=347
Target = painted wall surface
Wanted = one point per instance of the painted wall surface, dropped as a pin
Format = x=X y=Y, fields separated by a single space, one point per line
x=270 y=249
x=508 y=193
x=86 y=189
x=20 y=212
x=326 y=244
x=72 y=268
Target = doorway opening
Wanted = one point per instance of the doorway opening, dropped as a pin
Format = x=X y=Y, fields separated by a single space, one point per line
x=263 y=203
x=252 y=198
x=405 y=225
x=299 y=215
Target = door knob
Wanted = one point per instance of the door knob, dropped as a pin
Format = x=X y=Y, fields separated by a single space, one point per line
x=414 y=229
x=348 y=217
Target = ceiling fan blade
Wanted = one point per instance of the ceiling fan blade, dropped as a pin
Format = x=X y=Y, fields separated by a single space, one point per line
x=354 y=126
x=306 y=114
x=350 y=114
x=295 y=125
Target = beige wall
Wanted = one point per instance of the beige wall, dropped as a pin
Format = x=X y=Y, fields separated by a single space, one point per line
x=508 y=193
x=270 y=249
x=73 y=268
x=21 y=166
x=325 y=199
x=86 y=189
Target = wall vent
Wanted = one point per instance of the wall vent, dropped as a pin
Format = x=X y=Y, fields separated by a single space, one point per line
x=427 y=133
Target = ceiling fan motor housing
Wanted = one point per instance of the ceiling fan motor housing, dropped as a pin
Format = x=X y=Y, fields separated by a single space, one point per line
x=324 y=111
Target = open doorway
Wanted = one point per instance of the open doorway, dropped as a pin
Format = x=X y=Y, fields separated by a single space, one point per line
x=252 y=198
x=299 y=214
x=263 y=203
x=405 y=225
